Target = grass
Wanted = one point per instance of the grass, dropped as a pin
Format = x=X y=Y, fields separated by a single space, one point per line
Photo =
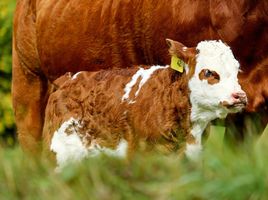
x=220 y=174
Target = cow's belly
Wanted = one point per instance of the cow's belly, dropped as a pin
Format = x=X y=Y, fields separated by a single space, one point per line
x=101 y=34
x=89 y=37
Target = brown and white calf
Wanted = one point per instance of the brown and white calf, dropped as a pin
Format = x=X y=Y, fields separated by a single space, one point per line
x=114 y=111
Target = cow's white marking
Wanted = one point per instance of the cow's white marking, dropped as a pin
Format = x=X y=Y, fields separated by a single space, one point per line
x=76 y=75
x=186 y=67
x=205 y=98
x=129 y=86
x=120 y=151
x=194 y=150
x=70 y=148
x=146 y=74
x=142 y=73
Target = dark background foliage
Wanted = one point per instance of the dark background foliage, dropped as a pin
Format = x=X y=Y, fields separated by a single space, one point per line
x=7 y=126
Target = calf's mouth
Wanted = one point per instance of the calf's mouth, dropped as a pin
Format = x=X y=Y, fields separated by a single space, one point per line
x=237 y=105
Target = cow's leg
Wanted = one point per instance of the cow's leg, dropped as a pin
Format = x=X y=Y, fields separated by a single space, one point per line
x=29 y=97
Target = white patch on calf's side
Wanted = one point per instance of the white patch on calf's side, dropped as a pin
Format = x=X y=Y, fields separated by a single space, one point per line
x=76 y=75
x=69 y=148
x=120 y=151
x=129 y=86
x=145 y=75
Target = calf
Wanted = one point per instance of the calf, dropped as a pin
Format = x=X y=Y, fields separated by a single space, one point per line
x=116 y=110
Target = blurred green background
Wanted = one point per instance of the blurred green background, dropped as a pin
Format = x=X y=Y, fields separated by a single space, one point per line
x=7 y=126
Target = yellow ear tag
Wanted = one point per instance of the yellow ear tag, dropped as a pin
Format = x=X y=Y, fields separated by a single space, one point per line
x=177 y=64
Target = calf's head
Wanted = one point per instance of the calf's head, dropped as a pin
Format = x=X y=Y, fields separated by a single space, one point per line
x=213 y=82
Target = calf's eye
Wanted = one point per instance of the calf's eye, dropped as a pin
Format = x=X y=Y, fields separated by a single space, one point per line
x=208 y=73
x=212 y=77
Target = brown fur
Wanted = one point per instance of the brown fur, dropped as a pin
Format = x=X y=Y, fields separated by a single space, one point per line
x=56 y=36
x=160 y=116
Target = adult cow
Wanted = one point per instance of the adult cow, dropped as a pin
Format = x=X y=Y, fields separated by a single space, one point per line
x=52 y=37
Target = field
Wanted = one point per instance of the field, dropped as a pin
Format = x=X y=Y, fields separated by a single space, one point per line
x=222 y=173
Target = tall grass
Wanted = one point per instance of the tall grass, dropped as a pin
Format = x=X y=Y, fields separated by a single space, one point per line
x=220 y=174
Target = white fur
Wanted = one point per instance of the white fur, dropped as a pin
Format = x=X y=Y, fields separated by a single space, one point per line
x=205 y=98
x=193 y=151
x=76 y=75
x=70 y=148
x=186 y=67
x=120 y=151
x=145 y=75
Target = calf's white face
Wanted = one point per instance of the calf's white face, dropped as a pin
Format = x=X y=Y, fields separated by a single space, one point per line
x=214 y=85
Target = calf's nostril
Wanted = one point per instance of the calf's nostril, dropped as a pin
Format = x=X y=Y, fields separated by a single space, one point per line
x=236 y=95
x=240 y=97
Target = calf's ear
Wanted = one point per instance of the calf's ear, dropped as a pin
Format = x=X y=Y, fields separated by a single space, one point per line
x=181 y=51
